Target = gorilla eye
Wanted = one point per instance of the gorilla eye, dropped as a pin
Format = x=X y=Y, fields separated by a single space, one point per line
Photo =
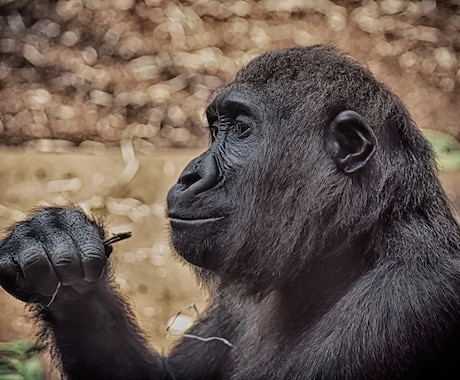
x=241 y=129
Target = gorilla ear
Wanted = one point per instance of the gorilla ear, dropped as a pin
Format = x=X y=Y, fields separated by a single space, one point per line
x=351 y=141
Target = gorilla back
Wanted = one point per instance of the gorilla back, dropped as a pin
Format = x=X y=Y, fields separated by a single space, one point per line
x=315 y=218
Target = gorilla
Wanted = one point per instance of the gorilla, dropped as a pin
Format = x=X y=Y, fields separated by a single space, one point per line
x=317 y=222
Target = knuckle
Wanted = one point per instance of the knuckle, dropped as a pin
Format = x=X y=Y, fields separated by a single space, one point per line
x=95 y=249
x=64 y=259
x=93 y=267
x=6 y=261
x=62 y=250
x=93 y=261
x=32 y=255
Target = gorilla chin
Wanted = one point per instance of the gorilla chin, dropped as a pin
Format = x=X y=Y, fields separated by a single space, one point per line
x=193 y=239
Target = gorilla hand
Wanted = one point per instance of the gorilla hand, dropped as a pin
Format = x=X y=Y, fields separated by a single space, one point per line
x=57 y=249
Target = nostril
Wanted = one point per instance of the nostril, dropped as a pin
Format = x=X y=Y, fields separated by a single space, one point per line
x=188 y=179
x=201 y=175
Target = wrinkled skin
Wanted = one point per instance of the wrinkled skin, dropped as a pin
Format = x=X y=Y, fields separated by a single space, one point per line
x=316 y=220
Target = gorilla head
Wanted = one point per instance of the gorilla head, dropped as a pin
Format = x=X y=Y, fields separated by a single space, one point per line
x=309 y=155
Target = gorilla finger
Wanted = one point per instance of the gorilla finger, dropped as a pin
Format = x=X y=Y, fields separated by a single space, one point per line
x=65 y=259
x=13 y=281
x=38 y=271
x=108 y=249
x=93 y=261
x=82 y=287
x=67 y=267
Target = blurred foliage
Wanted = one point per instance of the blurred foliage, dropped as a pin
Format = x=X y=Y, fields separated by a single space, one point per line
x=107 y=70
x=446 y=147
x=18 y=361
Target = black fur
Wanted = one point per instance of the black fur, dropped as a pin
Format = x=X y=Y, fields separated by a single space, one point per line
x=315 y=218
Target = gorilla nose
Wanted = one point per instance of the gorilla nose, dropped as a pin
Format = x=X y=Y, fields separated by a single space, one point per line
x=200 y=175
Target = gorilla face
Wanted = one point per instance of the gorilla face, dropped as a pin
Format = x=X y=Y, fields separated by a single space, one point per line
x=203 y=204
x=282 y=148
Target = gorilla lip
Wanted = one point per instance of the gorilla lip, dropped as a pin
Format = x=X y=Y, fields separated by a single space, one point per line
x=178 y=221
x=196 y=220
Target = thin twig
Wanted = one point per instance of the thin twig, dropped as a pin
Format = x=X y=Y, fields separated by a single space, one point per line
x=208 y=339
x=192 y=336
x=53 y=297
x=118 y=237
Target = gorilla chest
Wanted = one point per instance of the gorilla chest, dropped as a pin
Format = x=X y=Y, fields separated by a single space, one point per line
x=259 y=346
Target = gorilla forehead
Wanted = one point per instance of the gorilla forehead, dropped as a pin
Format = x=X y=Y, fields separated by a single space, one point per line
x=312 y=81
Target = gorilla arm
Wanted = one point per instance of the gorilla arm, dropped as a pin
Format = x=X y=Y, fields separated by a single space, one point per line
x=56 y=260
x=96 y=337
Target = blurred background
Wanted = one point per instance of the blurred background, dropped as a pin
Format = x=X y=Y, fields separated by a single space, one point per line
x=102 y=101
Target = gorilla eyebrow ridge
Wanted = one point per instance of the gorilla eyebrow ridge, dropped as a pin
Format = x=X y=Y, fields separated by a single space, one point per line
x=233 y=103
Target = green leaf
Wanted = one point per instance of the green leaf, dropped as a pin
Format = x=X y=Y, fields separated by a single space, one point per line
x=446 y=147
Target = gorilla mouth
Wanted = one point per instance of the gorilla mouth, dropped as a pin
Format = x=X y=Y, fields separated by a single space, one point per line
x=183 y=220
